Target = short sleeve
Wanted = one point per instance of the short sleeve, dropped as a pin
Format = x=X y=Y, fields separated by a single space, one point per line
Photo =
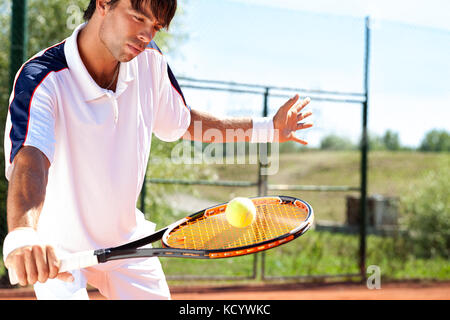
x=31 y=119
x=173 y=116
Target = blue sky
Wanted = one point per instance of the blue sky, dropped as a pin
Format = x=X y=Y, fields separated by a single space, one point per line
x=320 y=45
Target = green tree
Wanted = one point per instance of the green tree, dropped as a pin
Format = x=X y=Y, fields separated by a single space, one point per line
x=436 y=141
x=376 y=143
x=334 y=142
x=391 y=140
x=427 y=214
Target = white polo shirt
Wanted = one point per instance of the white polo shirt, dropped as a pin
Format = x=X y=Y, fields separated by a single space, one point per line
x=97 y=141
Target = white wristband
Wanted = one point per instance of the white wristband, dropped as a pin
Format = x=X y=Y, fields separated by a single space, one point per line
x=262 y=131
x=19 y=238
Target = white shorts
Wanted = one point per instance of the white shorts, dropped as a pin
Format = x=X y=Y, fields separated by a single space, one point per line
x=133 y=279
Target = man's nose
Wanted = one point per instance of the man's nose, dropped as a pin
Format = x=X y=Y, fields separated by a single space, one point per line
x=146 y=36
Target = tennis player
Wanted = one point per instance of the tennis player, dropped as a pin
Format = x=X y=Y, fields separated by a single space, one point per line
x=77 y=143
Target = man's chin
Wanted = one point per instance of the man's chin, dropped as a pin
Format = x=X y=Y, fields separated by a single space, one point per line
x=126 y=57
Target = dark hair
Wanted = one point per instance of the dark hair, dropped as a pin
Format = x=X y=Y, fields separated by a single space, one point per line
x=162 y=10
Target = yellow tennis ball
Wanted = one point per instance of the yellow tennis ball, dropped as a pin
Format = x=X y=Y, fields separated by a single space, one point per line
x=240 y=212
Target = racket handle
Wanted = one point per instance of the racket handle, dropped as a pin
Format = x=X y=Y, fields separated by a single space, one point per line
x=70 y=262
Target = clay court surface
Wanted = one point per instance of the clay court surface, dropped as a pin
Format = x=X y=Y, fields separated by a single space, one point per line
x=336 y=291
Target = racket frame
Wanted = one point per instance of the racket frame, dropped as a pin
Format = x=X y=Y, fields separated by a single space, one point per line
x=249 y=249
x=133 y=250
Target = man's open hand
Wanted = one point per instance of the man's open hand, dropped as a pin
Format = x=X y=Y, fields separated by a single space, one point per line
x=288 y=120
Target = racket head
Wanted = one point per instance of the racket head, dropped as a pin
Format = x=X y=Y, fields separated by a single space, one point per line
x=279 y=219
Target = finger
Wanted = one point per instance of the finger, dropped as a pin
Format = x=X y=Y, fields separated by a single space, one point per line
x=302 y=116
x=17 y=264
x=30 y=266
x=302 y=125
x=52 y=262
x=65 y=276
x=298 y=140
x=299 y=106
x=41 y=263
x=288 y=104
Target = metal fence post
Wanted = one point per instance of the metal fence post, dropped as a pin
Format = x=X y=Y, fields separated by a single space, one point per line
x=262 y=177
x=364 y=151
x=143 y=193
x=18 y=38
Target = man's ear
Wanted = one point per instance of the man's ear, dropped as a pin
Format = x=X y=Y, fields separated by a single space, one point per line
x=102 y=7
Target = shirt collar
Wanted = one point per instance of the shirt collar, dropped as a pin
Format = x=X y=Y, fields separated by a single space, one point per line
x=89 y=88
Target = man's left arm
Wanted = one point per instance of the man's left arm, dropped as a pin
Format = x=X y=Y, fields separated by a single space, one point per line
x=208 y=128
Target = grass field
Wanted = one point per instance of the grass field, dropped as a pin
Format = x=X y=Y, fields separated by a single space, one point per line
x=321 y=253
x=392 y=174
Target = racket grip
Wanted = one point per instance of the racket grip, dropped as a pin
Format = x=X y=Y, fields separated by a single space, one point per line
x=78 y=260
x=70 y=262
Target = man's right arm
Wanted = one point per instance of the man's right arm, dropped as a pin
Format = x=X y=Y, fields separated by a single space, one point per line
x=26 y=195
x=26 y=191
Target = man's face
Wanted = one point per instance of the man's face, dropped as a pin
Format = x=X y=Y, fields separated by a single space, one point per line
x=125 y=31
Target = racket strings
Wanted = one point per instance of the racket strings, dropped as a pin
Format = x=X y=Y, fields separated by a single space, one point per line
x=214 y=232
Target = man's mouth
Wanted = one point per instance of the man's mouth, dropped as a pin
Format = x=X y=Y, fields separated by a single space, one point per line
x=135 y=49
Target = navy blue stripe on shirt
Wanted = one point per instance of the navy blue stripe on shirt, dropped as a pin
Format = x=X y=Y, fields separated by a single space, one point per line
x=172 y=78
x=153 y=45
x=33 y=73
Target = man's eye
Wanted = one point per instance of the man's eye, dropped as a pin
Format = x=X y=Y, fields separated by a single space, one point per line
x=138 y=19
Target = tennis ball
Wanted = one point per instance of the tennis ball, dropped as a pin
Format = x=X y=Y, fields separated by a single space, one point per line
x=240 y=212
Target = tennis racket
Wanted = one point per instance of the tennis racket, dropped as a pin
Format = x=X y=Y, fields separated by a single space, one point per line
x=208 y=235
